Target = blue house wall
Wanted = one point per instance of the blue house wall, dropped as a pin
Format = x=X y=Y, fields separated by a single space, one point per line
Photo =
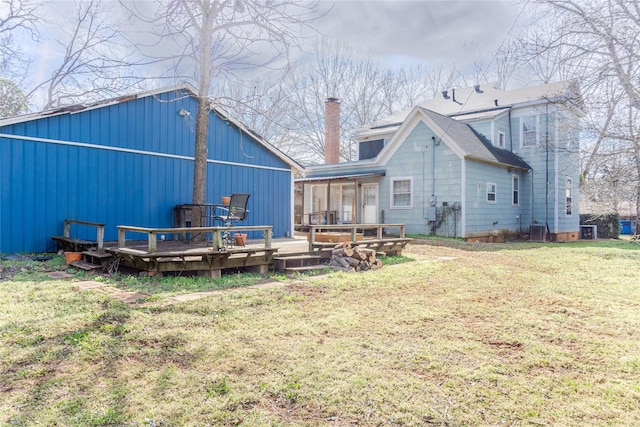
x=415 y=159
x=128 y=163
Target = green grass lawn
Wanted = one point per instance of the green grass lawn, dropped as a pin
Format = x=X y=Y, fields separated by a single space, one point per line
x=457 y=334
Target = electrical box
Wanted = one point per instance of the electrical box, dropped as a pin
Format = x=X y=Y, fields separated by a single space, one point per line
x=431 y=213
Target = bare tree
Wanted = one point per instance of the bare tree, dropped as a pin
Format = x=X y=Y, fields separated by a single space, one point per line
x=600 y=38
x=93 y=61
x=222 y=39
x=16 y=16
x=293 y=118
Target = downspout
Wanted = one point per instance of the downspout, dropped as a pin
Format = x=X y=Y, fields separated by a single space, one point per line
x=432 y=200
x=546 y=166
x=433 y=169
x=510 y=132
x=556 y=212
x=532 y=198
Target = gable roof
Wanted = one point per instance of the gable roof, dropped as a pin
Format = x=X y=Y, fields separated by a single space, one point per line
x=472 y=144
x=184 y=87
x=483 y=101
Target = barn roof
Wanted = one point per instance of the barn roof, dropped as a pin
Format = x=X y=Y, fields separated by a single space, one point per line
x=184 y=87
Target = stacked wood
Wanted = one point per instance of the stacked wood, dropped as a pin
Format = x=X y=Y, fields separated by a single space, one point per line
x=345 y=257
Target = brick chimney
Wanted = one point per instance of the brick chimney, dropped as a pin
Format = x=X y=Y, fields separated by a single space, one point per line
x=332 y=131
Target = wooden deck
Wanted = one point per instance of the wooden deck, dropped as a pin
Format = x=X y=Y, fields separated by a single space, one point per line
x=210 y=258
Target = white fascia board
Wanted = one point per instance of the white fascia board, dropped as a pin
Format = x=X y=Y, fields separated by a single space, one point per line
x=415 y=117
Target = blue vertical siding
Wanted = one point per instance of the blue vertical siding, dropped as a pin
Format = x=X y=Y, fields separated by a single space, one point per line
x=44 y=182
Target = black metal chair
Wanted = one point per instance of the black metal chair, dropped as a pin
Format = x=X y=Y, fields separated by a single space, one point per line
x=237 y=211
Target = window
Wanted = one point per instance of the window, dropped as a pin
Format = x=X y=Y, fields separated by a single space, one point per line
x=491 y=192
x=515 y=183
x=370 y=149
x=501 y=139
x=568 y=192
x=529 y=131
x=401 y=192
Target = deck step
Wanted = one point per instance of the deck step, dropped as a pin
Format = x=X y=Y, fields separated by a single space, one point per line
x=288 y=262
x=101 y=259
x=87 y=266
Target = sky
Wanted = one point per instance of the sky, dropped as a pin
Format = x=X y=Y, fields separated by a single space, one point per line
x=396 y=33
x=431 y=32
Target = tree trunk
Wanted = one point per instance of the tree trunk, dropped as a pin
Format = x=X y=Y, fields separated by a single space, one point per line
x=200 y=161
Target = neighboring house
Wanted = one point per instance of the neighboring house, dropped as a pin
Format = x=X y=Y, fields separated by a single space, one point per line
x=476 y=163
x=129 y=161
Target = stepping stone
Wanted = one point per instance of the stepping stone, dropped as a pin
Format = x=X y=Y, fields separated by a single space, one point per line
x=129 y=297
x=59 y=275
x=90 y=284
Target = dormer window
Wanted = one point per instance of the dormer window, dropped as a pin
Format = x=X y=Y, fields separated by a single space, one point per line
x=370 y=149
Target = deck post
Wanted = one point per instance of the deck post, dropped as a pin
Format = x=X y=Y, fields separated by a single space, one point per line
x=121 y=239
x=153 y=243
x=379 y=231
x=312 y=237
x=100 y=238
x=212 y=274
x=267 y=237
x=216 y=239
x=67 y=228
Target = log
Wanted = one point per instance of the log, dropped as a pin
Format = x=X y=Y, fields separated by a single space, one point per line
x=342 y=262
x=352 y=261
x=346 y=257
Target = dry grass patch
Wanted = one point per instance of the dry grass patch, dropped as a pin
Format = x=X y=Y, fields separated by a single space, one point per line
x=464 y=334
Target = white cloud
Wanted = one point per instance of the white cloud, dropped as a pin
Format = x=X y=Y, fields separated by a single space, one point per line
x=436 y=32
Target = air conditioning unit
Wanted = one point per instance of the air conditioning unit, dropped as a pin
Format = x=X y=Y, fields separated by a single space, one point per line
x=588 y=232
x=537 y=233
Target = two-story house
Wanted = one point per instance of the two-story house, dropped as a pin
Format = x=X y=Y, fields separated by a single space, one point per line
x=476 y=163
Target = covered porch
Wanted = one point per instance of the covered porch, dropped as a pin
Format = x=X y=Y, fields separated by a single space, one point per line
x=335 y=200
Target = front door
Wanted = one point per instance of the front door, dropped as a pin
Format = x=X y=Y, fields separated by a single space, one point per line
x=369 y=203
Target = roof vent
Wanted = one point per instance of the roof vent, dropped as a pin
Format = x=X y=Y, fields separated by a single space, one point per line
x=477 y=89
x=445 y=95
x=495 y=102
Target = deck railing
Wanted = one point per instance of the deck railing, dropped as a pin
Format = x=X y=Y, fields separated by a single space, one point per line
x=353 y=229
x=216 y=232
x=99 y=230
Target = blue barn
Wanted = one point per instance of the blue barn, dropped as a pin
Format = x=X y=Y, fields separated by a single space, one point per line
x=129 y=161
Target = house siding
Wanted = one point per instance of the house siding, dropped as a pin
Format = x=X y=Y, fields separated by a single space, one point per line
x=127 y=164
x=552 y=163
x=415 y=158
x=481 y=216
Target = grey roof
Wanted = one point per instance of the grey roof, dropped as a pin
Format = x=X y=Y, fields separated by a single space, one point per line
x=472 y=144
x=487 y=99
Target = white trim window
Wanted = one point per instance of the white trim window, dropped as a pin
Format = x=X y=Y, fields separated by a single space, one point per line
x=492 y=193
x=569 y=197
x=402 y=193
x=529 y=131
x=515 y=190
x=501 y=139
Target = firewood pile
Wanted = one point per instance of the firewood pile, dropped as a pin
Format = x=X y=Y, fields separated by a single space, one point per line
x=344 y=257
